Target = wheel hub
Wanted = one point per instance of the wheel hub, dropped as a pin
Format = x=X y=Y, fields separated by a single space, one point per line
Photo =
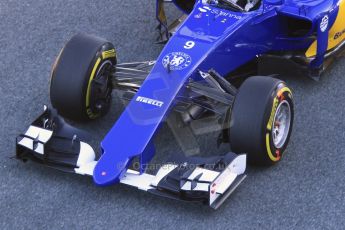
x=281 y=124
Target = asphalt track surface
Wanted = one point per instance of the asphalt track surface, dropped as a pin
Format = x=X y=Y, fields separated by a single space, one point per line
x=305 y=191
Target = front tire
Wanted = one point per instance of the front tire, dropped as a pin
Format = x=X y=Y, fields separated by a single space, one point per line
x=80 y=87
x=261 y=120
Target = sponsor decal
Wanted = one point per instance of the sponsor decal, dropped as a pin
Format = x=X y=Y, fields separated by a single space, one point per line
x=339 y=34
x=324 y=23
x=227 y=14
x=176 y=60
x=149 y=101
x=108 y=54
x=273 y=112
x=198 y=15
x=217 y=13
x=202 y=10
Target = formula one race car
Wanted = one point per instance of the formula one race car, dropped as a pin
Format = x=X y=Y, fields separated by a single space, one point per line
x=217 y=65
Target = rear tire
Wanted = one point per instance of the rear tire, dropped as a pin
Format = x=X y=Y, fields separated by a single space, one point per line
x=261 y=120
x=80 y=87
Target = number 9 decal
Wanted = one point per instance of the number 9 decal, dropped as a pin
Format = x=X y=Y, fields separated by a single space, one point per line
x=189 y=45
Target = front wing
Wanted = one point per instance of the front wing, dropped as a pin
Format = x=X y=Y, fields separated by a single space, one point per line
x=52 y=142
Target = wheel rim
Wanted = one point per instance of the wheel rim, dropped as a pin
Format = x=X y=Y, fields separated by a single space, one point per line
x=281 y=124
x=103 y=92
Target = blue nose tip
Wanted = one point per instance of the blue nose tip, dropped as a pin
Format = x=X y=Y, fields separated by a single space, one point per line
x=108 y=171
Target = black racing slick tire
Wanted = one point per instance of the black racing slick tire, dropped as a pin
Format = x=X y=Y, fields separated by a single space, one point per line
x=261 y=120
x=80 y=87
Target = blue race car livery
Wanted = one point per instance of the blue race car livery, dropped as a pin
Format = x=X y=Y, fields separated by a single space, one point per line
x=221 y=62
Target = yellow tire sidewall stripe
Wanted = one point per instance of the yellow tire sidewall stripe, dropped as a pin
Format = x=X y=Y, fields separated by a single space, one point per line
x=93 y=73
x=269 y=151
